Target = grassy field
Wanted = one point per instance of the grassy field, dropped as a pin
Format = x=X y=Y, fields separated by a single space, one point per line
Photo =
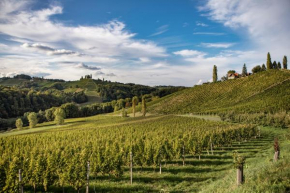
x=262 y=92
x=212 y=173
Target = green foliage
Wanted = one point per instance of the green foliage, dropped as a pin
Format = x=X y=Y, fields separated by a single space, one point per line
x=279 y=66
x=264 y=92
x=59 y=115
x=264 y=67
x=269 y=63
x=244 y=70
x=143 y=106
x=239 y=160
x=15 y=101
x=135 y=101
x=19 y=124
x=257 y=69
x=231 y=71
x=275 y=65
x=60 y=157
x=214 y=75
x=32 y=118
x=49 y=114
x=124 y=113
x=285 y=62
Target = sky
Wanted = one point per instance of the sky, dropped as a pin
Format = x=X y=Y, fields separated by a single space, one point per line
x=152 y=42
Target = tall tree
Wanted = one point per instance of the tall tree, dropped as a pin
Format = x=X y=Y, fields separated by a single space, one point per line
x=19 y=124
x=285 y=62
x=279 y=65
x=269 y=63
x=143 y=106
x=134 y=103
x=32 y=119
x=214 y=75
x=274 y=65
x=244 y=71
x=264 y=67
x=59 y=115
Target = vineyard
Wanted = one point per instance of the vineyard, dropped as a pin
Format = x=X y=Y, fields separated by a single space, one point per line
x=266 y=92
x=58 y=157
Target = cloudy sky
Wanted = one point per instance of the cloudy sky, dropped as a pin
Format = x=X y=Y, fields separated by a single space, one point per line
x=152 y=42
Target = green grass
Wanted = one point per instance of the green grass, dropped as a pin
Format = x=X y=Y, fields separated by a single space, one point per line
x=262 y=92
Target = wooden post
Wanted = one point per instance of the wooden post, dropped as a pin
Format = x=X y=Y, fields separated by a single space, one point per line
x=183 y=156
x=160 y=170
x=211 y=148
x=131 y=167
x=20 y=182
x=240 y=179
x=276 y=156
x=88 y=177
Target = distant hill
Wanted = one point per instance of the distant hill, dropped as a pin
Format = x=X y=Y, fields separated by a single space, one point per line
x=267 y=91
x=97 y=90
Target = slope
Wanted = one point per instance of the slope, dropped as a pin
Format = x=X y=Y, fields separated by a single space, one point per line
x=262 y=92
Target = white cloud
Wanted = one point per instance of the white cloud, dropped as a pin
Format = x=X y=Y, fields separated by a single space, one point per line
x=162 y=29
x=187 y=53
x=144 y=60
x=201 y=24
x=266 y=22
x=217 y=45
x=107 y=40
x=209 y=33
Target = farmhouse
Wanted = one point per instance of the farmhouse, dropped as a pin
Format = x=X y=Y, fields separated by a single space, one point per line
x=233 y=75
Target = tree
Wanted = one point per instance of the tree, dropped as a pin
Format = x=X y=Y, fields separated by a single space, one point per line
x=32 y=119
x=124 y=112
x=279 y=65
x=143 y=106
x=244 y=71
x=275 y=65
x=264 y=67
x=285 y=62
x=59 y=116
x=214 y=76
x=269 y=63
x=19 y=123
x=134 y=103
x=257 y=69
x=49 y=114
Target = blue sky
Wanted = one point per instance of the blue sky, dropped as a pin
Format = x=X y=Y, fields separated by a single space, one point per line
x=164 y=42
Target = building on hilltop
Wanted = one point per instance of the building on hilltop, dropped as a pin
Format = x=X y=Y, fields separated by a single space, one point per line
x=233 y=75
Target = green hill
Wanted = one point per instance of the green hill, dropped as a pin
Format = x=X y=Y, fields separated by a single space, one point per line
x=262 y=92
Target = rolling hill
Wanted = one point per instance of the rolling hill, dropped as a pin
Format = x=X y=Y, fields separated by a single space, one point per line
x=266 y=91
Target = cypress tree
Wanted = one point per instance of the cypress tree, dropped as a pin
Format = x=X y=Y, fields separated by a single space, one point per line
x=264 y=67
x=279 y=65
x=244 y=71
x=143 y=106
x=134 y=103
x=285 y=62
x=269 y=63
x=214 y=76
x=274 y=65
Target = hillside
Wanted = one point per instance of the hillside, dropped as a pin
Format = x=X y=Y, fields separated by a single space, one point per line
x=262 y=92
x=97 y=90
x=82 y=139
